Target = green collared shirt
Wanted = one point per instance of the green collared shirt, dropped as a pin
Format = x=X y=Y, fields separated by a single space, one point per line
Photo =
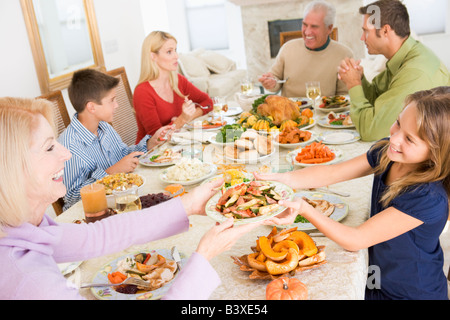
x=376 y=105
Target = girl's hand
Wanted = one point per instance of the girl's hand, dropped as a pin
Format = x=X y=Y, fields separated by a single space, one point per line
x=288 y=216
x=222 y=237
x=194 y=202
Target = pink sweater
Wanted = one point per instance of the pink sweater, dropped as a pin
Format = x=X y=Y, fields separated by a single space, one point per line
x=29 y=254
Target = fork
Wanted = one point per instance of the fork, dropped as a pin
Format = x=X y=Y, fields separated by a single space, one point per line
x=129 y=280
x=199 y=105
x=283 y=81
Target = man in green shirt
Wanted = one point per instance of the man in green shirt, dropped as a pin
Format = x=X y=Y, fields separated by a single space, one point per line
x=410 y=67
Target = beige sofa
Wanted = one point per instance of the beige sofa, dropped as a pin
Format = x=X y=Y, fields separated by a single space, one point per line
x=211 y=72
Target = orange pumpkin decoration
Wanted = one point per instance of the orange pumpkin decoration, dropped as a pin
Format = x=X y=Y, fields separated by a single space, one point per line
x=285 y=288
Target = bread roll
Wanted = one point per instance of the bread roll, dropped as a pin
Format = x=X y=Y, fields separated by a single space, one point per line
x=231 y=152
x=249 y=134
x=244 y=144
x=263 y=145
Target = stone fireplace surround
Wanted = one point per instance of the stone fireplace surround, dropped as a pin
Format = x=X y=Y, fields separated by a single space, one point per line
x=257 y=13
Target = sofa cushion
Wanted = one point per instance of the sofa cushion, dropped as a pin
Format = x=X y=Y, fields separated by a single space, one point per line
x=216 y=62
x=221 y=85
x=192 y=66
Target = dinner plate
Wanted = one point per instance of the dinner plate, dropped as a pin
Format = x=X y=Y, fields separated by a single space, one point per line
x=339 y=213
x=212 y=170
x=250 y=161
x=232 y=111
x=295 y=145
x=337 y=109
x=145 y=159
x=190 y=126
x=108 y=293
x=290 y=157
x=323 y=122
x=303 y=99
x=339 y=137
x=139 y=187
x=286 y=192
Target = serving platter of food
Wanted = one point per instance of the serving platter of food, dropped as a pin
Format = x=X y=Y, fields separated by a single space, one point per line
x=155 y=267
x=251 y=147
x=248 y=202
x=328 y=204
x=232 y=177
x=316 y=153
x=121 y=180
x=334 y=103
x=293 y=137
x=281 y=253
x=188 y=172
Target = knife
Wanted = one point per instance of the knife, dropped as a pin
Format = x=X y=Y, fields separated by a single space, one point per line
x=176 y=257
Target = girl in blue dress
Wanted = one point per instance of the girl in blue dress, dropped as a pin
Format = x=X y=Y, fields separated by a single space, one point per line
x=410 y=200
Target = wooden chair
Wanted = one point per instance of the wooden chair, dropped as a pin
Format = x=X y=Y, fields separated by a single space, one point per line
x=62 y=119
x=289 y=35
x=124 y=121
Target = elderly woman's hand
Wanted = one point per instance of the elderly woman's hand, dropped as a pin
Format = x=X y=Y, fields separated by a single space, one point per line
x=222 y=237
x=194 y=202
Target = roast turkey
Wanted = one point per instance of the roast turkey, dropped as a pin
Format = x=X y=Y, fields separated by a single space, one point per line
x=280 y=108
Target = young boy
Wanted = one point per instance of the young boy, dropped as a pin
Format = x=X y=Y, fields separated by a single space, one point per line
x=97 y=149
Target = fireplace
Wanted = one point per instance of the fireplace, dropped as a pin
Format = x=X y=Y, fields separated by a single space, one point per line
x=277 y=26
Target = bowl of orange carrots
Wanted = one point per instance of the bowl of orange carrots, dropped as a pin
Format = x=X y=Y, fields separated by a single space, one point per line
x=315 y=153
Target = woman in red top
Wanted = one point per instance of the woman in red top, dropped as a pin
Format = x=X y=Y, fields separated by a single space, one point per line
x=162 y=95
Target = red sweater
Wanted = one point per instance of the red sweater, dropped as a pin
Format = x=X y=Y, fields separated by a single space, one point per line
x=152 y=112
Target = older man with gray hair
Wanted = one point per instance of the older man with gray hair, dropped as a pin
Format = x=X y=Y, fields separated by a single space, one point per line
x=315 y=57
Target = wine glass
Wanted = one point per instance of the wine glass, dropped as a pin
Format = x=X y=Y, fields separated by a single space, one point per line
x=246 y=86
x=218 y=107
x=313 y=92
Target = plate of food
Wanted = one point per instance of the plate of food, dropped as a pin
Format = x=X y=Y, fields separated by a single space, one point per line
x=302 y=102
x=336 y=121
x=188 y=172
x=329 y=204
x=206 y=124
x=339 y=137
x=232 y=111
x=232 y=177
x=293 y=137
x=251 y=147
x=121 y=180
x=314 y=154
x=334 y=103
x=155 y=266
x=161 y=157
x=248 y=202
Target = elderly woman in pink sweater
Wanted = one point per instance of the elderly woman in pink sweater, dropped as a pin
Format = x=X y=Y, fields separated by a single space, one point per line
x=31 y=243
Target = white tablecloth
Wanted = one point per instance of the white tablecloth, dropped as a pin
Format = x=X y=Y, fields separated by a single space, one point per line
x=342 y=277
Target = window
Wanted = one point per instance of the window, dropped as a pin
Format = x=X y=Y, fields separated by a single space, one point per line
x=427 y=17
x=207 y=24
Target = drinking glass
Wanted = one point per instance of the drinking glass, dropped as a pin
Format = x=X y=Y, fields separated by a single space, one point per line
x=246 y=86
x=218 y=107
x=95 y=206
x=313 y=92
x=127 y=199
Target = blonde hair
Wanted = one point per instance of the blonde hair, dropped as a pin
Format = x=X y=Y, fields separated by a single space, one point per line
x=433 y=123
x=149 y=69
x=18 y=120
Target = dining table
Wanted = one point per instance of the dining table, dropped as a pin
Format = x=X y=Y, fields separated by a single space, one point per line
x=342 y=277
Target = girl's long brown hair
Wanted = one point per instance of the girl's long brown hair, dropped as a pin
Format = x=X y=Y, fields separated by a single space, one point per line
x=433 y=123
